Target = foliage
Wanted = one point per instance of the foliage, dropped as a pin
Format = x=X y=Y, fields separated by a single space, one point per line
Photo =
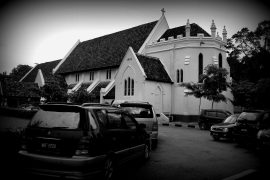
x=55 y=90
x=80 y=96
x=18 y=72
x=249 y=64
x=214 y=83
x=194 y=89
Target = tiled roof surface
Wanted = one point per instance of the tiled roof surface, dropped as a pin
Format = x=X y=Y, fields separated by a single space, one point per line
x=110 y=94
x=46 y=69
x=85 y=85
x=154 y=69
x=71 y=86
x=95 y=93
x=181 y=30
x=106 y=51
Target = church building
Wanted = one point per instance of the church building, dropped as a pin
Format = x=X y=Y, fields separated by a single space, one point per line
x=147 y=63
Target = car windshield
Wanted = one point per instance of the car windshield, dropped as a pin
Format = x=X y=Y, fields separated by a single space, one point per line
x=248 y=116
x=139 y=112
x=54 y=119
x=231 y=119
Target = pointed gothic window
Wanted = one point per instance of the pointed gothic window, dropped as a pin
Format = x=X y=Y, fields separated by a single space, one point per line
x=129 y=87
x=177 y=76
x=132 y=87
x=200 y=68
x=125 y=88
x=220 y=60
x=181 y=75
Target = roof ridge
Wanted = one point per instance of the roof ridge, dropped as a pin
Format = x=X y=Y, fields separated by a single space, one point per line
x=118 y=31
x=151 y=57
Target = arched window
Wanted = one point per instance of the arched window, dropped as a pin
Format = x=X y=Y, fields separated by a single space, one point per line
x=177 y=76
x=200 y=68
x=129 y=87
x=132 y=87
x=125 y=88
x=181 y=75
x=220 y=60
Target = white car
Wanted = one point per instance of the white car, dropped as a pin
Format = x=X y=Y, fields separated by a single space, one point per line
x=144 y=113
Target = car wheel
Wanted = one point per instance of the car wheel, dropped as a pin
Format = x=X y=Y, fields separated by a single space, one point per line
x=108 y=169
x=146 y=154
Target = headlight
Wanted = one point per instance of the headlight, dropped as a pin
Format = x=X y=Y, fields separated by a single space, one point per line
x=211 y=128
x=225 y=130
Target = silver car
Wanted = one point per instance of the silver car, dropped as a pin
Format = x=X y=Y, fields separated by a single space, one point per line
x=144 y=113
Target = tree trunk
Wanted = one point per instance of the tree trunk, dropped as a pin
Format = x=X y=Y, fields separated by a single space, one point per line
x=212 y=104
x=200 y=105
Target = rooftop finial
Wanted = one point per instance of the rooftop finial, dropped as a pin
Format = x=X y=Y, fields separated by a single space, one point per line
x=163 y=11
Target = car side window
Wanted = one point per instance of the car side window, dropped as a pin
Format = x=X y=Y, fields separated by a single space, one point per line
x=102 y=117
x=211 y=113
x=114 y=121
x=221 y=115
x=92 y=121
x=130 y=124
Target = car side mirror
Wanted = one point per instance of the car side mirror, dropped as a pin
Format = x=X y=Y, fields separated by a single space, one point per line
x=158 y=115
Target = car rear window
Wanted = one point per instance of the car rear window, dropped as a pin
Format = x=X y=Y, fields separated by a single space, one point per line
x=139 y=111
x=55 y=119
x=248 y=116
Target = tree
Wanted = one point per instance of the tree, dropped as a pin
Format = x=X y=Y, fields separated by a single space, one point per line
x=18 y=72
x=55 y=90
x=194 y=89
x=214 y=83
x=80 y=96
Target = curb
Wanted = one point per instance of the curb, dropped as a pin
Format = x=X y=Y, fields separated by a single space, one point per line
x=180 y=124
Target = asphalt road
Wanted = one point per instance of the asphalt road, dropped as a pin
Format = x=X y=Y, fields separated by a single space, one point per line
x=187 y=153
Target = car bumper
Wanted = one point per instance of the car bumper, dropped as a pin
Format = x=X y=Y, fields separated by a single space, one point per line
x=221 y=134
x=75 y=167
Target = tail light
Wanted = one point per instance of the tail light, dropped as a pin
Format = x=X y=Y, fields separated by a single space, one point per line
x=155 y=127
x=83 y=146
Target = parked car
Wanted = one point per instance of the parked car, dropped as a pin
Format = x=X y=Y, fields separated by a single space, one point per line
x=263 y=137
x=248 y=125
x=209 y=117
x=224 y=129
x=73 y=141
x=144 y=113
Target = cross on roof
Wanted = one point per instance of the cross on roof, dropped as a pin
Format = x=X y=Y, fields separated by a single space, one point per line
x=163 y=11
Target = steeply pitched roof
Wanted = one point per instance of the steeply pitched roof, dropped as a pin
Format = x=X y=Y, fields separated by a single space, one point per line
x=106 y=51
x=154 y=69
x=46 y=69
x=181 y=30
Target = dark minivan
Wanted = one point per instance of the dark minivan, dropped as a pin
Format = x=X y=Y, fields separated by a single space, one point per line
x=79 y=142
x=209 y=117
x=248 y=125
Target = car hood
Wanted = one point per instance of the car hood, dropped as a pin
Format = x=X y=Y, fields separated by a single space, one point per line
x=224 y=125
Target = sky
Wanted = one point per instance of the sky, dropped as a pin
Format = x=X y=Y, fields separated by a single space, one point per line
x=38 y=31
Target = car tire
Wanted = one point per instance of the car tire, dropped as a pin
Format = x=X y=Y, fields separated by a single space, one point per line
x=108 y=169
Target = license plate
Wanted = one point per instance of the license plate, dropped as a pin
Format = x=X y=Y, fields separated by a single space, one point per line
x=244 y=130
x=48 y=145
